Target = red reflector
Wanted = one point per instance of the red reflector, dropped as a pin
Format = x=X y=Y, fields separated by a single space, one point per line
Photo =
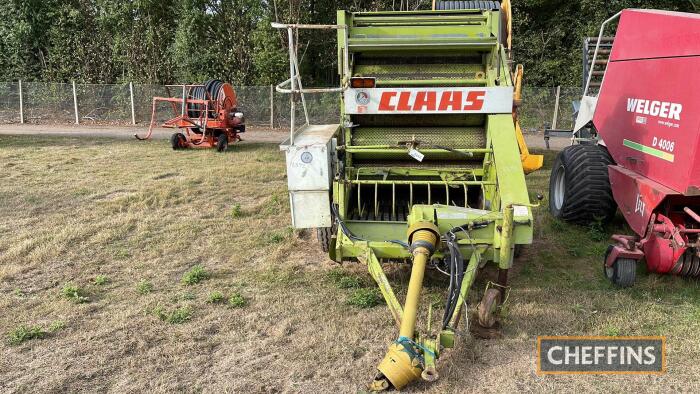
x=366 y=83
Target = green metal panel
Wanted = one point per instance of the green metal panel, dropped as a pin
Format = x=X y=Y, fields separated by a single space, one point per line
x=433 y=49
x=454 y=137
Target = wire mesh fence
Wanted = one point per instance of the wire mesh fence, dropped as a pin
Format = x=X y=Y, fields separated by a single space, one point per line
x=59 y=103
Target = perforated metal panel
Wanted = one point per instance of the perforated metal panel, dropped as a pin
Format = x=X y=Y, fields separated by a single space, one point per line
x=400 y=72
x=453 y=137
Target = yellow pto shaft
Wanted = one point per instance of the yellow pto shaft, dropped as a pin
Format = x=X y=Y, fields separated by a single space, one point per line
x=404 y=361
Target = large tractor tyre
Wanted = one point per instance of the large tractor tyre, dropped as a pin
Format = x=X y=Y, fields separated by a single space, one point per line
x=221 y=142
x=177 y=141
x=579 y=187
x=467 y=5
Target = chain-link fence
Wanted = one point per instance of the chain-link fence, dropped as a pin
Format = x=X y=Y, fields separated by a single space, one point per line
x=60 y=103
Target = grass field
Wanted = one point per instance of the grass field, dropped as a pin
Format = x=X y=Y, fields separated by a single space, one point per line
x=125 y=266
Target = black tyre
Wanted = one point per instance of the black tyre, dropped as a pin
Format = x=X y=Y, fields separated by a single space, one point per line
x=467 y=5
x=177 y=141
x=324 y=236
x=623 y=272
x=222 y=142
x=579 y=187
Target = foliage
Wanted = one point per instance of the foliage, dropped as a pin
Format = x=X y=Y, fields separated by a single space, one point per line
x=144 y=287
x=215 y=297
x=168 y=41
x=365 y=298
x=237 y=301
x=25 y=333
x=74 y=293
x=178 y=315
x=195 y=275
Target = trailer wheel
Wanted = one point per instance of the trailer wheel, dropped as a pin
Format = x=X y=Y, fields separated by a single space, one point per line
x=222 y=142
x=623 y=272
x=324 y=236
x=579 y=187
x=177 y=141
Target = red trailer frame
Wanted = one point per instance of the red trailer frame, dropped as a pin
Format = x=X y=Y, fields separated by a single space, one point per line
x=216 y=122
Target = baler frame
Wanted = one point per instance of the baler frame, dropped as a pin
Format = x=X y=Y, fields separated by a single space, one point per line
x=472 y=231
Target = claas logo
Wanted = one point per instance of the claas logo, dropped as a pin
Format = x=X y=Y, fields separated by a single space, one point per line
x=455 y=100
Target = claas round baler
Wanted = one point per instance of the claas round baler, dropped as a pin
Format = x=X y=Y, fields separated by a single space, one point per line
x=646 y=159
x=425 y=168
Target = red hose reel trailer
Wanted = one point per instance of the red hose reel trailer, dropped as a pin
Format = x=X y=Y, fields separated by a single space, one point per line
x=207 y=116
x=647 y=120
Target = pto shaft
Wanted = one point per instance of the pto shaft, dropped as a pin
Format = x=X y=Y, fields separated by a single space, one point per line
x=404 y=362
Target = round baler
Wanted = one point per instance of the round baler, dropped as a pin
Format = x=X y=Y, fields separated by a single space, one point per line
x=643 y=155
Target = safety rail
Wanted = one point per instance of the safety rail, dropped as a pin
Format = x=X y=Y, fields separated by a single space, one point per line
x=295 y=72
x=595 y=54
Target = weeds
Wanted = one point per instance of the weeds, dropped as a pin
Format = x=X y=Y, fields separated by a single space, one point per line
x=144 y=287
x=236 y=211
x=344 y=280
x=279 y=237
x=365 y=298
x=186 y=296
x=176 y=316
x=195 y=275
x=26 y=333
x=596 y=231
x=215 y=297
x=612 y=331
x=74 y=293
x=237 y=301
x=100 y=280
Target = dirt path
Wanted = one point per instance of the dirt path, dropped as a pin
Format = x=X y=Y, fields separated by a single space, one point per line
x=125 y=132
x=254 y=134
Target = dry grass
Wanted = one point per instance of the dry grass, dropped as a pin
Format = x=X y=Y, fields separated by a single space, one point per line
x=141 y=214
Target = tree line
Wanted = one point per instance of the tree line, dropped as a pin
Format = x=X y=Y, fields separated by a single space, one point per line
x=187 y=41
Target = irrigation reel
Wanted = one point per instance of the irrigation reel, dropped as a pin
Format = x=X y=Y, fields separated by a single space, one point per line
x=206 y=115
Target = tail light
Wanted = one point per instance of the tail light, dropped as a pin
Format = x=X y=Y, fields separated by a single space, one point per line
x=360 y=83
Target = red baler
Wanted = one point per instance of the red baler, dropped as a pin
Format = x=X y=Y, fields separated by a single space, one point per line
x=646 y=159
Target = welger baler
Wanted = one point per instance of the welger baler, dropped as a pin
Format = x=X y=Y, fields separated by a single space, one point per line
x=647 y=116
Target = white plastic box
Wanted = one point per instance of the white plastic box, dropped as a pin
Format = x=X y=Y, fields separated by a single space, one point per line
x=310 y=174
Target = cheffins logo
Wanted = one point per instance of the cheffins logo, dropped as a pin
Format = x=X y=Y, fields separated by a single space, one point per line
x=662 y=109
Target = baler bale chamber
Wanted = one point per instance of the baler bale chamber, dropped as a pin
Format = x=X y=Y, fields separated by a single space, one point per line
x=427 y=165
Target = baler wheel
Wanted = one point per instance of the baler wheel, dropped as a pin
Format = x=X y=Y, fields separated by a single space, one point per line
x=222 y=142
x=177 y=141
x=487 y=308
x=623 y=272
x=324 y=236
x=579 y=187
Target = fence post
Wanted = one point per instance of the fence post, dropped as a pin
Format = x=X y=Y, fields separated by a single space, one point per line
x=21 y=103
x=556 y=109
x=131 y=93
x=75 y=104
x=272 y=107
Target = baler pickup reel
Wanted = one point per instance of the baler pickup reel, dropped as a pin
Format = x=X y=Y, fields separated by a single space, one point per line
x=207 y=113
x=425 y=167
